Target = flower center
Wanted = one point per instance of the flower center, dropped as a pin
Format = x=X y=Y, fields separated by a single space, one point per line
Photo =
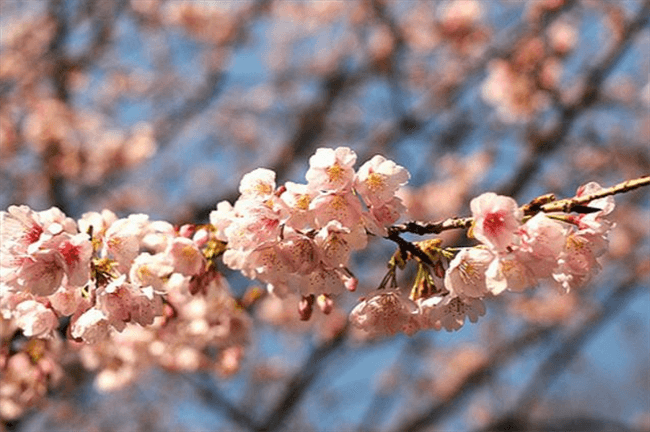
x=70 y=253
x=494 y=223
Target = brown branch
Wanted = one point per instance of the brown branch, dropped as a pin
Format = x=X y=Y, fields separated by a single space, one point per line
x=565 y=205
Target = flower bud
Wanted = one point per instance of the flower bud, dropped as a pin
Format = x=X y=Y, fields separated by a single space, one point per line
x=306 y=307
x=325 y=303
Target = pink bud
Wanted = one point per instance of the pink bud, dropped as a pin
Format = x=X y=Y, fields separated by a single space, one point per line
x=306 y=307
x=439 y=270
x=201 y=237
x=325 y=303
x=186 y=230
x=351 y=284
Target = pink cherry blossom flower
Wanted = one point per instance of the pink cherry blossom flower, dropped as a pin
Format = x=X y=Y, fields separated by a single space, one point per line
x=378 y=179
x=496 y=220
x=449 y=312
x=384 y=312
x=91 y=326
x=542 y=242
x=508 y=272
x=221 y=218
x=333 y=245
x=321 y=281
x=300 y=253
x=35 y=319
x=67 y=300
x=55 y=221
x=185 y=256
x=383 y=215
x=156 y=236
x=577 y=264
x=331 y=170
x=75 y=252
x=20 y=226
x=466 y=274
x=342 y=207
x=594 y=224
x=122 y=240
x=146 y=306
x=41 y=273
x=258 y=184
x=151 y=270
x=268 y=263
x=298 y=198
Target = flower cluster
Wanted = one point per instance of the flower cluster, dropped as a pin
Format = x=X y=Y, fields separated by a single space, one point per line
x=156 y=290
x=515 y=253
x=299 y=237
x=103 y=272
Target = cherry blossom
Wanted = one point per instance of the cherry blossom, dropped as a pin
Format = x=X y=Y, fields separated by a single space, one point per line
x=331 y=170
x=466 y=274
x=450 y=312
x=384 y=312
x=496 y=220
x=378 y=179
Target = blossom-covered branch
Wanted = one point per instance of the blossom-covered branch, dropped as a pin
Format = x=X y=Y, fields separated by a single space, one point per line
x=545 y=203
x=130 y=281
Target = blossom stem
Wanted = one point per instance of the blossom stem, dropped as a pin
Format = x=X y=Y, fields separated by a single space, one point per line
x=564 y=205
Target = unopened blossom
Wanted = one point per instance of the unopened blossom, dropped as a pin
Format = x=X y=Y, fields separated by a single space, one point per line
x=496 y=220
x=466 y=274
x=378 y=179
x=331 y=170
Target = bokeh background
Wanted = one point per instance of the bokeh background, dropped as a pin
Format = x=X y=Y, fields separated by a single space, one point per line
x=159 y=107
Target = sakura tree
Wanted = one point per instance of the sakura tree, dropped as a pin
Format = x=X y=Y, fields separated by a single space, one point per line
x=374 y=215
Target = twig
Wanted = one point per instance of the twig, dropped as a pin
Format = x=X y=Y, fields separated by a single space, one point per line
x=566 y=205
